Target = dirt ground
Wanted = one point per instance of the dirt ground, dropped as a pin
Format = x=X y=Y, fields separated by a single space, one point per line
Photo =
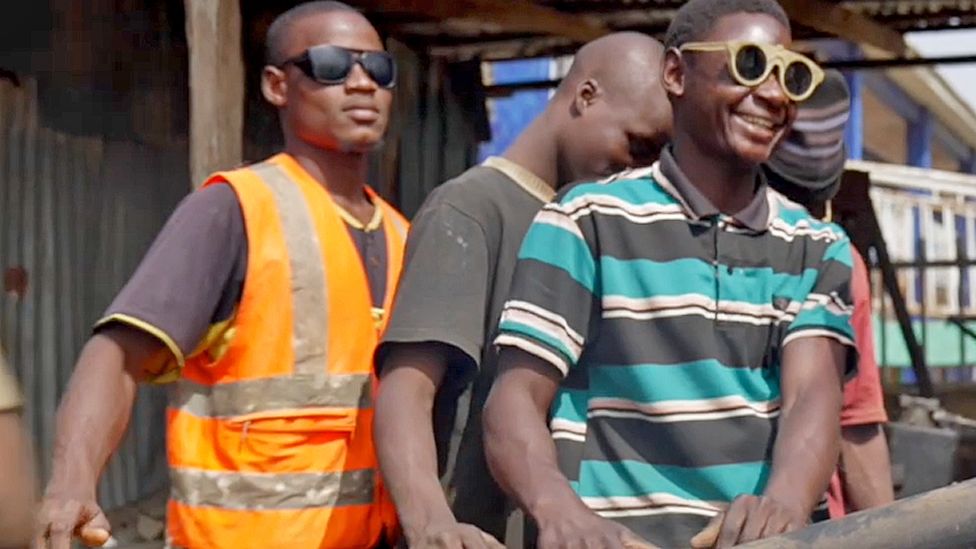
x=139 y=525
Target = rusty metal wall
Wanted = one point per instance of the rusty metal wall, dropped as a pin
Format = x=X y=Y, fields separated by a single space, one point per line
x=78 y=213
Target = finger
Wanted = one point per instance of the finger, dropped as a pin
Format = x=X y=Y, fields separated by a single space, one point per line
x=775 y=525
x=40 y=540
x=735 y=518
x=708 y=537
x=631 y=541
x=98 y=520
x=754 y=524
x=490 y=541
x=470 y=539
x=59 y=537
x=95 y=530
x=443 y=540
x=93 y=536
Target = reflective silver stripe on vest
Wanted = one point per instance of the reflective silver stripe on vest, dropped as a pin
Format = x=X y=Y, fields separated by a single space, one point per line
x=310 y=386
x=226 y=400
x=278 y=491
x=308 y=294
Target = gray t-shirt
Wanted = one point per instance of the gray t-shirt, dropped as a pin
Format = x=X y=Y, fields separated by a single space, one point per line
x=460 y=259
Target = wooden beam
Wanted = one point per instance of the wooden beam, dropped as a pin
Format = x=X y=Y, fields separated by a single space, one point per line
x=213 y=31
x=495 y=50
x=844 y=23
x=505 y=15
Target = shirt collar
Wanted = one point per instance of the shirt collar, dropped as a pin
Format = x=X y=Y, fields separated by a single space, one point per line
x=530 y=182
x=755 y=216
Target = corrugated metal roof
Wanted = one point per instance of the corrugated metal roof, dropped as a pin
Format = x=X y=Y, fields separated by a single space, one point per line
x=918 y=15
x=473 y=37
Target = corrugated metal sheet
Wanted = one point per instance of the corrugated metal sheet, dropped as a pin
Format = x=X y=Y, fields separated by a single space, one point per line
x=78 y=213
x=491 y=40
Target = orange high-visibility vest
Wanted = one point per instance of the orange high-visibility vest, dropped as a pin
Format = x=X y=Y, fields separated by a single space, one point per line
x=270 y=443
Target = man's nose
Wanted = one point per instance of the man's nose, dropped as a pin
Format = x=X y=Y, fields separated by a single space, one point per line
x=360 y=80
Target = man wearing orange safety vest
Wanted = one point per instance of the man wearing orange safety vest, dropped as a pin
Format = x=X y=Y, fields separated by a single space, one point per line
x=260 y=301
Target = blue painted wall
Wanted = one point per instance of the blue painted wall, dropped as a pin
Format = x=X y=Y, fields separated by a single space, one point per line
x=510 y=115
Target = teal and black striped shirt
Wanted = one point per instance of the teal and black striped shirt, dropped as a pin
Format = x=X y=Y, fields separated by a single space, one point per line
x=667 y=320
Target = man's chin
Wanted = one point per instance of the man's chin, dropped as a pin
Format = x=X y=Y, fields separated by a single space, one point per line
x=362 y=145
x=754 y=153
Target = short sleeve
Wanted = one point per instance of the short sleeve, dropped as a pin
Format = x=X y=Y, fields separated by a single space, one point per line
x=828 y=307
x=863 y=396
x=551 y=303
x=10 y=398
x=187 y=272
x=443 y=290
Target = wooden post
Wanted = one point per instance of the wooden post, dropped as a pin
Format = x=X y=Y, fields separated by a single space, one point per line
x=213 y=30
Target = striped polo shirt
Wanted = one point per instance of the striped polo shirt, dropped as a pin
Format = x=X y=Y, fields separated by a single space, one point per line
x=667 y=320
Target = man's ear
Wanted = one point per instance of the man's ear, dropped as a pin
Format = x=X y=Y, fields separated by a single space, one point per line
x=673 y=75
x=274 y=86
x=588 y=92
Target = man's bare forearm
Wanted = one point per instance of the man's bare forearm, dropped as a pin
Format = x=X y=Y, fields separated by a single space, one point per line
x=96 y=407
x=866 y=467
x=805 y=453
x=405 y=438
x=808 y=442
x=518 y=445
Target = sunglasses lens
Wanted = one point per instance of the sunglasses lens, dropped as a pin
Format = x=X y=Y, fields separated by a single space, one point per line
x=750 y=62
x=330 y=64
x=380 y=67
x=798 y=78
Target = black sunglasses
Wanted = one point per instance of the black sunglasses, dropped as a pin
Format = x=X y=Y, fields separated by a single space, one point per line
x=330 y=65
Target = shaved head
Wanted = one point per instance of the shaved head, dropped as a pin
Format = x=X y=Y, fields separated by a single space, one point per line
x=611 y=109
x=621 y=62
x=281 y=31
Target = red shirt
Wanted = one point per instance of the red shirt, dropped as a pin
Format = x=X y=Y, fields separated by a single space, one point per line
x=863 y=398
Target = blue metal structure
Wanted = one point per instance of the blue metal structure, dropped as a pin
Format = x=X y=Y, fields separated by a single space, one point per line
x=854 y=132
x=920 y=132
x=510 y=115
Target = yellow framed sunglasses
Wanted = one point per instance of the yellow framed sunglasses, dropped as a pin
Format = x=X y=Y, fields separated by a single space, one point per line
x=750 y=64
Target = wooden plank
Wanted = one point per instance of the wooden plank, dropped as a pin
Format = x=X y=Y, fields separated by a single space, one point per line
x=503 y=15
x=213 y=30
x=844 y=23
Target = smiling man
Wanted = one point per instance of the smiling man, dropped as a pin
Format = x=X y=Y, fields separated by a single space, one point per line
x=685 y=327
x=261 y=303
